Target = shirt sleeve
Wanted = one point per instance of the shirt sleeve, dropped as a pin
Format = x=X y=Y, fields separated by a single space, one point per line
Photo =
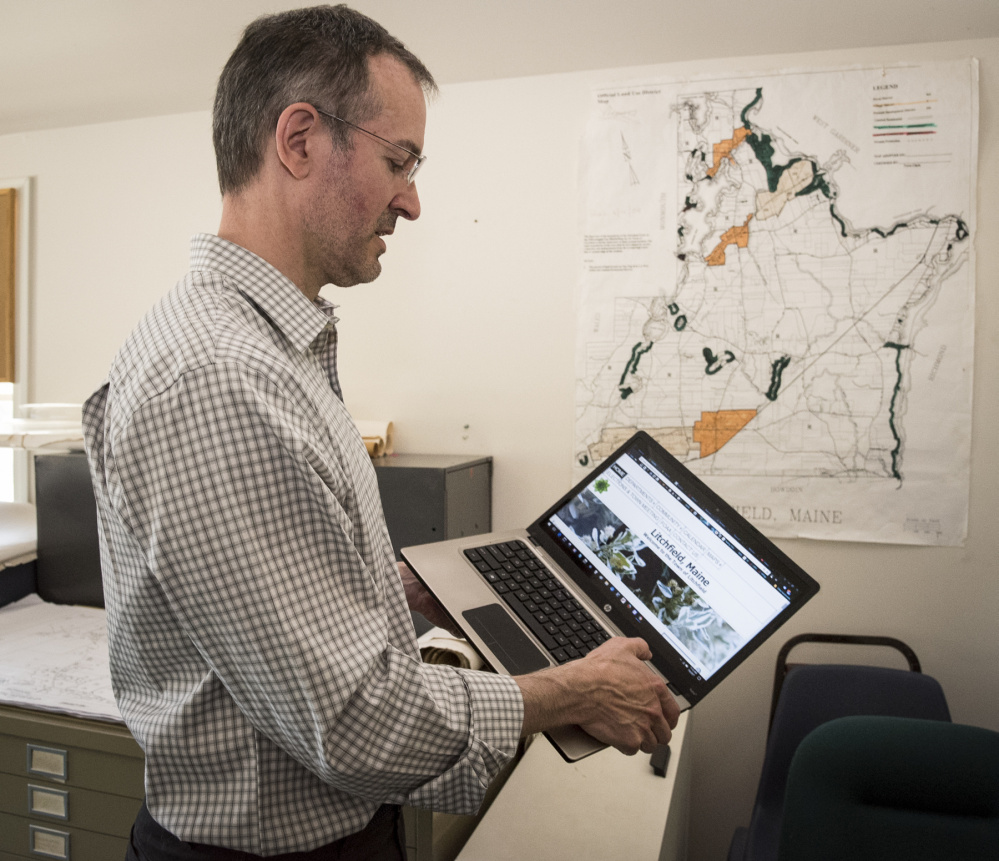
x=271 y=553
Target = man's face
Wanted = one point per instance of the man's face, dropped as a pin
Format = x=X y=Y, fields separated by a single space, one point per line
x=363 y=191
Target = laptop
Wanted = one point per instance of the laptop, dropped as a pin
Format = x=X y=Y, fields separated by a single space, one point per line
x=640 y=548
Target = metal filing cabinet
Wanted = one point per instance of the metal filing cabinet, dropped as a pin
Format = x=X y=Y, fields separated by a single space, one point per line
x=433 y=497
x=69 y=788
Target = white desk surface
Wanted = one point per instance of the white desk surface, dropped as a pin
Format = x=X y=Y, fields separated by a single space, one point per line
x=17 y=532
x=605 y=807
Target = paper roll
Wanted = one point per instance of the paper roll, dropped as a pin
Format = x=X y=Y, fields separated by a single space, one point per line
x=438 y=646
x=377 y=436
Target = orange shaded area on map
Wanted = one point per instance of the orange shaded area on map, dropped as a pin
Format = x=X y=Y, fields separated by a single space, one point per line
x=733 y=236
x=716 y=429
x=724 y=149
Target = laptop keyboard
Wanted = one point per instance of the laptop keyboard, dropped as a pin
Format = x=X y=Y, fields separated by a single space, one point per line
x=564 y=627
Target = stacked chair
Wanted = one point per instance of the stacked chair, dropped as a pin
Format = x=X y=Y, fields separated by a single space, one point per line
x=807 y=696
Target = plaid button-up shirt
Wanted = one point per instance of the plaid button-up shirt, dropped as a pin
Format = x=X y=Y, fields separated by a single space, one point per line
x=262 y=651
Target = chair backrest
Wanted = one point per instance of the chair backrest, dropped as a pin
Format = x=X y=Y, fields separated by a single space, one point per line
x=782 y=665
x=814 y=694
x=882 y=788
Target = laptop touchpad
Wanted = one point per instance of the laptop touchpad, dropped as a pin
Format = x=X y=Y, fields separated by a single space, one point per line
x=504 y=638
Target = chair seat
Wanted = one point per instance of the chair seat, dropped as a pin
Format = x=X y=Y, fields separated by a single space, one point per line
x=875 y=788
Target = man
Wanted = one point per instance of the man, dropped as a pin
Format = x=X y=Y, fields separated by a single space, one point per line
x=262 y=650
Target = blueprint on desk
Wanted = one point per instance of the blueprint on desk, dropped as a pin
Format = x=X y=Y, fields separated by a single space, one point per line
x=54 y=657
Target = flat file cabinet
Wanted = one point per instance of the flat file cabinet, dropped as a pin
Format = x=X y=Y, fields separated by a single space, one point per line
x=69 y=788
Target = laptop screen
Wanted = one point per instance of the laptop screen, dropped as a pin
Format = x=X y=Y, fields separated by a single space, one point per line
x=672 y=563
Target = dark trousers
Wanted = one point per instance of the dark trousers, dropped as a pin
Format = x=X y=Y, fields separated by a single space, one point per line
x=382 y=840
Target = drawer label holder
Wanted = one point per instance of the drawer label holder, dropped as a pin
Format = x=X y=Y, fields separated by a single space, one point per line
x=48 y=802
x=47 y=762
x=47 y=842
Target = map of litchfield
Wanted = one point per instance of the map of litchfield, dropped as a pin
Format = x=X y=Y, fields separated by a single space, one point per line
x=778 y=285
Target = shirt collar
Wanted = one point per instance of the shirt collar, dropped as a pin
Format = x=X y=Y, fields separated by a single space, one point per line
x=298 y=319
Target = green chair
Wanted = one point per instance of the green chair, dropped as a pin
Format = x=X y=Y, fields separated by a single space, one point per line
x=874 y=788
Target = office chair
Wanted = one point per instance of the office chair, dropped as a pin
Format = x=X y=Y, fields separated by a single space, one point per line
x=782 y=666
x=808 y=695
x=882 y=788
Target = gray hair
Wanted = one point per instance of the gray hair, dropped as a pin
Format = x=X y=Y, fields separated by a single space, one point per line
x=317 y=55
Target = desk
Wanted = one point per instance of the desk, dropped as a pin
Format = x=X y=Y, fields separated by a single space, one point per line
x=17 y=550
x=605 y=807
x=17 y=532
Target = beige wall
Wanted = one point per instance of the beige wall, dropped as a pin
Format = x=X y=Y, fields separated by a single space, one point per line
x=471 y=325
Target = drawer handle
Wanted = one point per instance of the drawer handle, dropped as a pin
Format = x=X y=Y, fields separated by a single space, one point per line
x=47 y=762
x=47 y=842
x=48 y=802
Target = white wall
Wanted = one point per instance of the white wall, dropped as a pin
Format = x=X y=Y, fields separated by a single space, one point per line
x=114 y=207
x=471 y=324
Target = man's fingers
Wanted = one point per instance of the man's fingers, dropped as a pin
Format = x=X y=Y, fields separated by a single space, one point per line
x=671 y=710
x=662 y=730
x=638 y=647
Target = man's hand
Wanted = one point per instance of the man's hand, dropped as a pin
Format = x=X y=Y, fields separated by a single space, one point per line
x=633 y=709
x=610 y=693
x=421 y=601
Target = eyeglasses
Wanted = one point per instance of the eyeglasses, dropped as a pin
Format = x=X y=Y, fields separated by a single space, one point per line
x=417 y=160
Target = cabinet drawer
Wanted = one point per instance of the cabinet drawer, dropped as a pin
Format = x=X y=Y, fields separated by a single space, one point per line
x=57 y=748
x=41 y=760
x=59 y=805
x=21 y=837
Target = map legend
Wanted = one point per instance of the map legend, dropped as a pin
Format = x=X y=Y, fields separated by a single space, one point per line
x=905 y=128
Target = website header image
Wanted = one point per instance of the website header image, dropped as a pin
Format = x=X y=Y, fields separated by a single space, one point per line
x=737 y=584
